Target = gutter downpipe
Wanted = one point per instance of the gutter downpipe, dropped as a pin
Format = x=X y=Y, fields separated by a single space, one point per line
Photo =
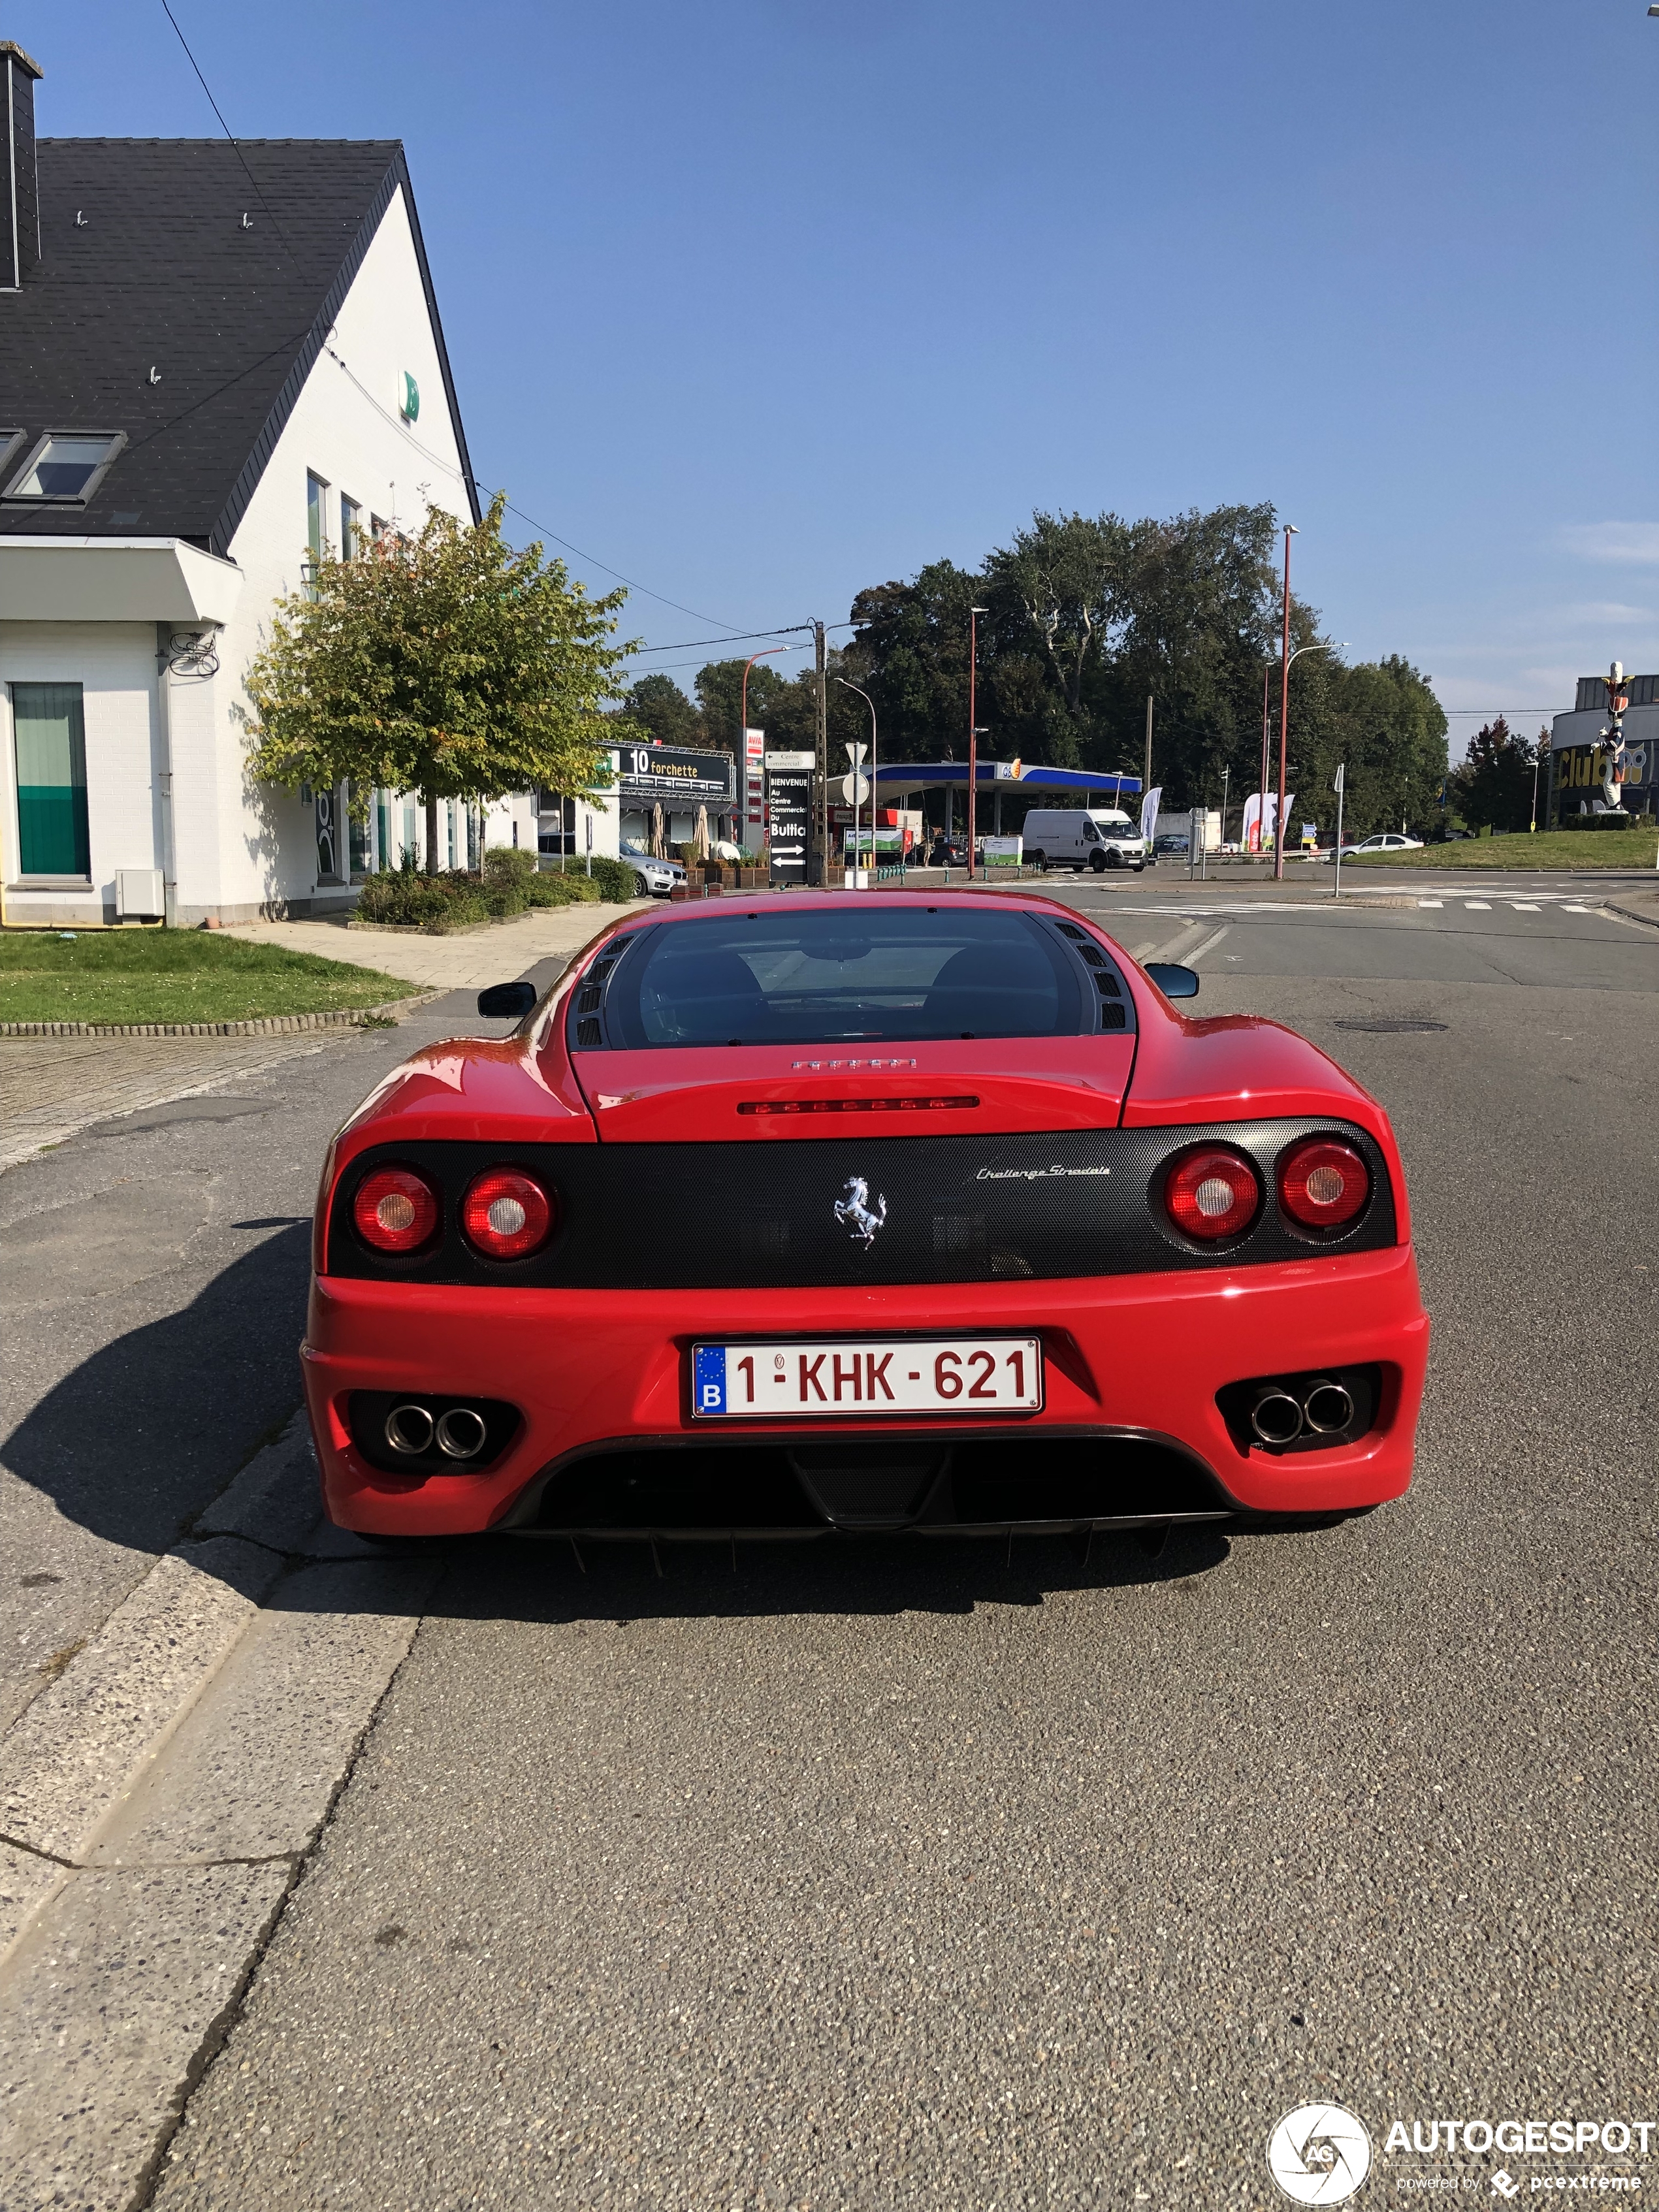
x=164 y=773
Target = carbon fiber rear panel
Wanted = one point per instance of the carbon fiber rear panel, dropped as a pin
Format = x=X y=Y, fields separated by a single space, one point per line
x=944 y=1210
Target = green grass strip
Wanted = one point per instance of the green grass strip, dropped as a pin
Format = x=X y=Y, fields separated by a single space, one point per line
x=175 y=976
x=1574 y=850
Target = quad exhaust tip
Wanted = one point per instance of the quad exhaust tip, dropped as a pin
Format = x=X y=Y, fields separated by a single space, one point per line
x=461 y=1433
x=409 y=1430
x=1276 y=1417
x=1321 y=1408
x=1327 y=1406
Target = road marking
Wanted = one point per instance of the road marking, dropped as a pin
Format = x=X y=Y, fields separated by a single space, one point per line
x=1432 y=902
x=1477 y=906
x=1139 y=952
x=1579 y=909
x=1517 y=906
x=1169 y=948
x=1208 y=945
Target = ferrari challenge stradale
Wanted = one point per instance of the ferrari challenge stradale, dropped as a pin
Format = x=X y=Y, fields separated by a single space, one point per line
x=842 y=1212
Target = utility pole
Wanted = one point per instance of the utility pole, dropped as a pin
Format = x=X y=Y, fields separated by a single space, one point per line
x=821 y=751
x=974 y=614
x=1284 y=713
x=1147 y=784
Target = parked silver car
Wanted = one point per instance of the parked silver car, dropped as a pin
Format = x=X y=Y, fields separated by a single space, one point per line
x=652 y=878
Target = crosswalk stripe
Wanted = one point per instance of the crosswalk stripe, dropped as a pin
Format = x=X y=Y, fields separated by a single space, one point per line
x=1477 y=906
x=1579 y=910
x=1432 y=902
x=1518 y=907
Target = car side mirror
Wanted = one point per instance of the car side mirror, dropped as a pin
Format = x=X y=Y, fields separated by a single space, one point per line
x=1174 y=981
x=507 y=1002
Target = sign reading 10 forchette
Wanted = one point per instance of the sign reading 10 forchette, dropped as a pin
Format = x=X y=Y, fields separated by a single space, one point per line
x=657 y=772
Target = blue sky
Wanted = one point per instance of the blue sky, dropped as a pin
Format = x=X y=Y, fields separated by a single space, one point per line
x=760 y=302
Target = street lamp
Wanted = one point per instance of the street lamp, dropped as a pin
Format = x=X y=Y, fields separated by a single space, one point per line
x=1339 y=646
x=974 y=614
x=870 y=704
x=742 y=734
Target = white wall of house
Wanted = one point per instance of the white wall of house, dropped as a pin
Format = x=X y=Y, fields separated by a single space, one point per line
x=346 y=428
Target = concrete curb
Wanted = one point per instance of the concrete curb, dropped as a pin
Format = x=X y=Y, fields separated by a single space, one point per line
x=1633 y=914
x=159 y=1799
x=271 y=1025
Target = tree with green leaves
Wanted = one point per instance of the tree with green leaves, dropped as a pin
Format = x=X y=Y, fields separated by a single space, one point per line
x=1493 y=783
x=657 y=709
x=447 y=665
x=1089 y=616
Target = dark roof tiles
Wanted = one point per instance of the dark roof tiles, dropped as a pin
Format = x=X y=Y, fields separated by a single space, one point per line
x=160 y=273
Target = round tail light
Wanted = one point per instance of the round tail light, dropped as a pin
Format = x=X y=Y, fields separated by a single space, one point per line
x=507 y=1214
x=1323 y=1184
x=1212 y=1194
x=395 y=1210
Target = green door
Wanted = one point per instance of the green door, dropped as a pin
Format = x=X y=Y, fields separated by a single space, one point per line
x=51 y=780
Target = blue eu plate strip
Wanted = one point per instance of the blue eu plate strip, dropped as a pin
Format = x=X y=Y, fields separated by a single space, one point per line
x=708 y=1378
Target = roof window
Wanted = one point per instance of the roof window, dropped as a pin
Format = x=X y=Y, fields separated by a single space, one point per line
x=67 y=466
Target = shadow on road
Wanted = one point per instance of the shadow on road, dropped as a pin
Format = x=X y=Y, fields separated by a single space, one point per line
x=557 y=1581
x=137 y=1442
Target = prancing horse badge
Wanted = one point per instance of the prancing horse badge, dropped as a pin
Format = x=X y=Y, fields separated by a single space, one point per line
x=855 y=1210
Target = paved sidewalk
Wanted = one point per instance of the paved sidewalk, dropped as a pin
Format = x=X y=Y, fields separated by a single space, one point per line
x=50 y=1087
x=463 y=963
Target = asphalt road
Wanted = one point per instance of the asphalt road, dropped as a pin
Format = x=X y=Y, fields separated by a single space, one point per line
x=908 y=1875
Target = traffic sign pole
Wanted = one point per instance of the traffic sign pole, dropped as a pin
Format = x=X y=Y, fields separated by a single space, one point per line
x=1339 y=786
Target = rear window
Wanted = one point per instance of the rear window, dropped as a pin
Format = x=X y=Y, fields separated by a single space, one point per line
x=894 y=975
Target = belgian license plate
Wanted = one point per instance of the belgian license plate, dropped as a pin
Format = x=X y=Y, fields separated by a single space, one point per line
x=770 y=1381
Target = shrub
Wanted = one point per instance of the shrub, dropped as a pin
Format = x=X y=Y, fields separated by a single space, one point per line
x=614 y=878
x=508 y=864
x=559 y=890
x=423 y=902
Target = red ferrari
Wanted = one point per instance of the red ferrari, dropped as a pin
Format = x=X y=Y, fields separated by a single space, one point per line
x=858 y=1212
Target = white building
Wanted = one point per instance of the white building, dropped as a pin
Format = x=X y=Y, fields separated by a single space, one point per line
x=205 y=378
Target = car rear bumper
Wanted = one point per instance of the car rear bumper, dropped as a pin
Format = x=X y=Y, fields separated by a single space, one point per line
x=595 y=1374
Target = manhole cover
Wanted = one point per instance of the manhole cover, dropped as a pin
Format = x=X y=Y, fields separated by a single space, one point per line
x=1382 y=1025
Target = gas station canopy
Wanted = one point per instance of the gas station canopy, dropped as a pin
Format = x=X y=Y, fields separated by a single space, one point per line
x=898 y=779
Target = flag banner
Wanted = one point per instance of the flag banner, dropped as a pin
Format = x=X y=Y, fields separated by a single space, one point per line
x=1149 y=813
x=1253 y=822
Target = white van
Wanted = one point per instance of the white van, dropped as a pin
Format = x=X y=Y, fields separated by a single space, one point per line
x=1067 y=838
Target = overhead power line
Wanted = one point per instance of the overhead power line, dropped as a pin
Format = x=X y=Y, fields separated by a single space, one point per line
x=226 y=128
x=436 y=460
